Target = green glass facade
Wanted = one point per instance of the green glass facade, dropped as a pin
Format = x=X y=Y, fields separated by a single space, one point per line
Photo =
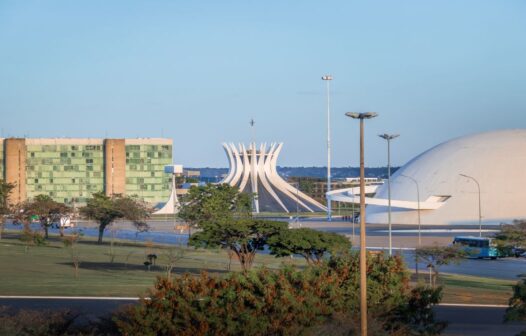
x=71 y=170
x=145 y=174
x=67 y=173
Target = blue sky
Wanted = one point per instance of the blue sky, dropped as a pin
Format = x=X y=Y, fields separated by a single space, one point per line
x=198 y=71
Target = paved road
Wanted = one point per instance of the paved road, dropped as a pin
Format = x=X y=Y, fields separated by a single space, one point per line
x=466 y=321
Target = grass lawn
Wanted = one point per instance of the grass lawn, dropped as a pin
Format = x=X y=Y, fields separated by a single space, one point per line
x=48 y=270
x=459 y=288
x=470 y=289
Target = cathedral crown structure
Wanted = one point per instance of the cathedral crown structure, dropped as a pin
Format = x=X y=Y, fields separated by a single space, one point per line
x=254 y=171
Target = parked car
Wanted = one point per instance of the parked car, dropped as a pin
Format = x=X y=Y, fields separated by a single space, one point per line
x=518 y=252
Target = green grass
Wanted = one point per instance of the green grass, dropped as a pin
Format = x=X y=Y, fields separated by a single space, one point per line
x=471 y=289
x=48 y=270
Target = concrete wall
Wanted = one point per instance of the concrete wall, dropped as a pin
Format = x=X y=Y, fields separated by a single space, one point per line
x=15 y=168
x=115 y=166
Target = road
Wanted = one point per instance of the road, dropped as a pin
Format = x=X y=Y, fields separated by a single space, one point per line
x=463 y=320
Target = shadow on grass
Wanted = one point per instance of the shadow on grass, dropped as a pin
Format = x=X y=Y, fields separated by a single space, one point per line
x=119 y=266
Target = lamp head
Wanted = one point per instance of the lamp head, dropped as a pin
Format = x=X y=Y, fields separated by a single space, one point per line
x=326 y=77
x=361 y=115
x=388 y=136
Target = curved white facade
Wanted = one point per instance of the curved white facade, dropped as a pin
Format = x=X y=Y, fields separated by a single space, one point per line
x=496 y=160
x=254 y=171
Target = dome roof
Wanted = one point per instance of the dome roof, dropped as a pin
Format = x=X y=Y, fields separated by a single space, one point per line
x=496 y=160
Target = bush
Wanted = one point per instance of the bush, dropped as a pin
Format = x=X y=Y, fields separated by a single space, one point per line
x=283 y=302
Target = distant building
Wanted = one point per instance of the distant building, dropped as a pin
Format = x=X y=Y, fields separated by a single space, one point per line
x=253 y=171
x=316 y=187
x=70 y=170
x=472 y=179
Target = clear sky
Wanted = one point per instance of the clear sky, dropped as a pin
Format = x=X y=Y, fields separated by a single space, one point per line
x=198 y=71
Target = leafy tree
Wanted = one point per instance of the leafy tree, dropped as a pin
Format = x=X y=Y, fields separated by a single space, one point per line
x=244 y=237
x=5 y=209
x=46 y=210
x=436 y=256
x=511 y=236
x=213 y=202
x=106 y=210
x=224 y=218
x=517 y=303
x=311 y=244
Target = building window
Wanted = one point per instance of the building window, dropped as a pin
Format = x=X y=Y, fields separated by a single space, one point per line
x=72 y=180
x=36 y=181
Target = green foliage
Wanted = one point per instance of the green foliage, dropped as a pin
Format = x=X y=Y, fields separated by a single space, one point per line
x=511 y=235
x=5 y=209
x=31 y=238
x=436 y=256
x=244 y=237
x=517 y=303
x=5 y=191
x=106 y=210
x=224 y=218
x=34 y=323
x=213 y=202
x=283 y=302
x=417 y=316
x=311 y=244
x=46 y=210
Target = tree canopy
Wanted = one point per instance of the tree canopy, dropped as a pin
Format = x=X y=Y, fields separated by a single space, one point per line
x=512 y=235
x=224 y=219
x=106 y=209
x=46 y=210
x=311 y=244
x=5 y=209
x=436 y=256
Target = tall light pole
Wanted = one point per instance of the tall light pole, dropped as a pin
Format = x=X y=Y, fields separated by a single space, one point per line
x=480 y=206
x=389 y=137
x=363 y=255
x=418 y=202
x=328 y=79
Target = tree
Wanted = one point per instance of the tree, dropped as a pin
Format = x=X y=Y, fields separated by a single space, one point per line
x=517 y=303
x=512 y=236
x=436 y=256
x=46 y=210
x=311 y=244
x=244 y=237
x=224 y=218
x=5 y=209
x=106 y=210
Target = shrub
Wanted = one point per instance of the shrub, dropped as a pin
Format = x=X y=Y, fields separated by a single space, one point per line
x=283 y=302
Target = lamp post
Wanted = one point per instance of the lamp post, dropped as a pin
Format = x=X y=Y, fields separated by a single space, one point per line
x=418 y=202
x=328 y=79
x=480 y=207
x=389 y=137
x=363 y=256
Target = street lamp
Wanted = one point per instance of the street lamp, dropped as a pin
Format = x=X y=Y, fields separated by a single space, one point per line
x=418 y=202
x=480 y=207
x=389 y=137
x=328 y=79
x=363 y=256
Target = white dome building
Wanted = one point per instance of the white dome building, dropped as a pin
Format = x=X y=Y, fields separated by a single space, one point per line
x=496 y=160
